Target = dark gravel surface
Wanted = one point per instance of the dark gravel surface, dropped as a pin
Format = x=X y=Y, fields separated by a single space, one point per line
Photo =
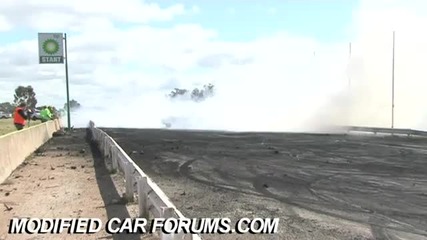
x=320 y=186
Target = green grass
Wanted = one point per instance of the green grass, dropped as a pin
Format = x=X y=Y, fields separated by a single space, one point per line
x=6 y=126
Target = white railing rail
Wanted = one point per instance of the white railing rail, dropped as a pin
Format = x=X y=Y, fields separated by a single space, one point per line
x=151 y=199
x=375 y=130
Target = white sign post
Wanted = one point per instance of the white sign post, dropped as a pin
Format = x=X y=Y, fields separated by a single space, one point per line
x=53 y=50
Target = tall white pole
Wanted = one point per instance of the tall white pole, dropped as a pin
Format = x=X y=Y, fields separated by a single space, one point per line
x=349 y=65
x=392 y=85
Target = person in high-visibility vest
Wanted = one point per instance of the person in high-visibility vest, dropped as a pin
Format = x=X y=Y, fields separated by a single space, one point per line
x=20 y=116
x=45 y=114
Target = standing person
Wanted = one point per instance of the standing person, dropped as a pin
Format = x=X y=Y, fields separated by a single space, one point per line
x=20 y=116
x=46 y=114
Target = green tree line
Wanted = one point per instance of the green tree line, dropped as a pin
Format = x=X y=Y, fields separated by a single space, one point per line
x=28 y=95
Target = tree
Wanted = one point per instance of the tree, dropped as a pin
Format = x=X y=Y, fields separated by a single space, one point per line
x=201 y=94
x=26 y=95
x=7 y=107
x=74 y=105
x=178 y=92
x=196 y=94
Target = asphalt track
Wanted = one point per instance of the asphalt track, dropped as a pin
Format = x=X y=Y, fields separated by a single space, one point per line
x=378 y=182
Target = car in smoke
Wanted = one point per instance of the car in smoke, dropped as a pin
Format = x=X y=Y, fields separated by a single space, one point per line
x=4 y=115
x=168 y=122
x=177 y=122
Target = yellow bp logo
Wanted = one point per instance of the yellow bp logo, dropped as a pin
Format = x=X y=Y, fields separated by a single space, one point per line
x=50 y=46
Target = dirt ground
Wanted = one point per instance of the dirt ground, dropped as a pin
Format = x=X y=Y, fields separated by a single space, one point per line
x=320 y=186
x=63 y=179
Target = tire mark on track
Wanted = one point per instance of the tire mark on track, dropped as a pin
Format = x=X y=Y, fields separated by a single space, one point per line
x=375 y=225
x=259 y=180
x=185 y=171
x=309 y=204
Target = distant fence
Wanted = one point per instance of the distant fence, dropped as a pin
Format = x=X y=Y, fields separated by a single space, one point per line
x=18 y=145
x=375 y=130
x=151 y=198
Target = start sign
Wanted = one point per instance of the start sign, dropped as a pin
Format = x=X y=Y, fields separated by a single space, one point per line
x=51 y=48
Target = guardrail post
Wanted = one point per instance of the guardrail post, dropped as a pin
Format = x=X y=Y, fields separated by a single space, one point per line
x=167 y=212
x=102 y=142
x=114 y=156
x=95 y=135
x=129 y=181
x=120 y=163
x=142 y=196
x=106 y=146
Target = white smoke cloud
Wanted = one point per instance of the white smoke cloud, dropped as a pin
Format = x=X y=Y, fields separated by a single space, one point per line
x=371 y=65
x=263 y=95
x=281 y=82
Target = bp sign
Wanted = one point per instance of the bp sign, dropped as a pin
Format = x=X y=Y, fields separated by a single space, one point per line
x=51 y=48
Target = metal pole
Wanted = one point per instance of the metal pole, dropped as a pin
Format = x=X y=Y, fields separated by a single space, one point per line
x=66 y=82
x=392 y=85
x=349 y=59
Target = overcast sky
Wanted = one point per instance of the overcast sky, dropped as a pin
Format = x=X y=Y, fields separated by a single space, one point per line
x=275 y=64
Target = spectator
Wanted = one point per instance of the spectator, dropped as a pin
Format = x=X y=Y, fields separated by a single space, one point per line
x=46 y=114
x=21 y=115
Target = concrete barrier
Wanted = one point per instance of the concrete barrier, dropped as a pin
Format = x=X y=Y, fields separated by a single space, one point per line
x=15 y=147
x=151 y=199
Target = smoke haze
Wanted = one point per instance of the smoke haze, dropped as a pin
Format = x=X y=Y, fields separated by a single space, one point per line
x=288 y=83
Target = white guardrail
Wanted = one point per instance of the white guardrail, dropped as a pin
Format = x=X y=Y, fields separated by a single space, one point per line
x=375 y=130
x=151 y=199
